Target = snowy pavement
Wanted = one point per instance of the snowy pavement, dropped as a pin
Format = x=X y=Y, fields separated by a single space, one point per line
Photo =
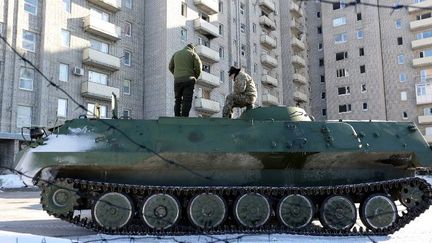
x=417 y=231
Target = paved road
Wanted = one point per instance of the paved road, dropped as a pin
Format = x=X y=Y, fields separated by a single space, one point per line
x=21 y=212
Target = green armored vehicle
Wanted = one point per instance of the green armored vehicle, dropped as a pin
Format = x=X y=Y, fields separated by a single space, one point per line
x=271 y=171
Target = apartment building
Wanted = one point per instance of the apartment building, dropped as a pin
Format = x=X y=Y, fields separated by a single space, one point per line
x=376 y=64
x=89 y=48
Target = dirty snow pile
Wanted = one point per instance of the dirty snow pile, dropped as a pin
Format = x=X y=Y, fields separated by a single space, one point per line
x=11 y=181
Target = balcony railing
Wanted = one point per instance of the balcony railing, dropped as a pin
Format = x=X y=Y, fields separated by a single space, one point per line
x=268 y=41
x=421 y=24
x=207 y=54
x=98 y=91
x=300 y=96
x=425 y=119
x=269 y=61
x=298 y=78
x=267 y=22
x=269 y=80
x=297 y=44
x=110 y=5
x=96 y=26
x=296 y=10
x=421 y=43
x=268 y=99
x=423 y=61
x=101 y=60
x=267 y=6
x=297 y=26
x=208 y=6
x=298 y=61
x=206 y=28
x=417 y=7
x=209 y=80
x=207 y=106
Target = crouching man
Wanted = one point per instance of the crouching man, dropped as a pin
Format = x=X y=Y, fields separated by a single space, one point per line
x=245 y=92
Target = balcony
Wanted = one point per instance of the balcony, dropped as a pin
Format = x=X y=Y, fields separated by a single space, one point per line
x=417 y=7
x=423 y=61
x=426 y=42
x=98 y=91
x=207 y=54
x=208 y=6
x=269 y=61
x=208 y=80
x=268 y=99
x=421 y=24
x=296 y=10
x=296 y=26
x=298 y=61
x=104 y=29
x=110 y=5
x=206 y=28
x=426 y=96
x=425 y=119
x=298 y=78
x=268 y=41
x=428 y=139
x=300 y=96
x=207 y=106
x=102 y=60
x=267 y=22
x=269 y=80
x=297 y=44
x=267 y=6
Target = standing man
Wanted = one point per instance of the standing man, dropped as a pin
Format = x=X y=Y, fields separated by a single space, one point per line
x=186 y=67
x=244 y=94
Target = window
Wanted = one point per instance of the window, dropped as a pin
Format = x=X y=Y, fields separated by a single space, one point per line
x=319 y=30
x=341 y=55
x=243 y=50
x=222 y=76
x=426 y=53
x=221 y=29
x=339 y=5
x=401 y=59
x=92 y=110
x=99 y=78
x=242 y=8
x=424 y=34
x=424 y=16
x=428 y=131
x=99 y=14
x=365 y=106
x=363 y=88
x=320 y=46
x=127 y=58
x=359 y=16
x=126 y=113
x=65 y=38
x=127 y=29
x=399 y=41
x=361 y=52
x=421 y=90
x=324 y=112
x=221 y=8
x=345 y=108
x=428 y=111
x=26 y=78
x=322 y=79
x=398 y=23
x=362 y=68
x=1 y=29
x=29 y=41
x=402 y=77
x=99 y=45
x=323 y=95
x=31 y=6
x=242 y=28
x=127 y=3
x=344 y=90
x=183 y=34
x=255 y=48
x=61 y=107
x=254 y=28
x=339 y=21
x=255 y=69
x=405 y=115
x=67 y=5
x=403 y=96
x=64 y=72
x=126 y=87
x=318 y=14
x=424 y=74
x=184 y=9
x=321 y=62
x=360 y=34
x=23 y=116
x=221 y=52
x=340 y=38
x=342 y=73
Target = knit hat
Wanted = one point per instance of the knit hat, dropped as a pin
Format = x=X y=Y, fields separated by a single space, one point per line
x=233 y=70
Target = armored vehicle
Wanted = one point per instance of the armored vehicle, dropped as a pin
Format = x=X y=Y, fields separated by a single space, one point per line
x=273 y=170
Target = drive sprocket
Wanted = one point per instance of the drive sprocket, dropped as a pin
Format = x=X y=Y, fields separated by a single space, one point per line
x=59 y=198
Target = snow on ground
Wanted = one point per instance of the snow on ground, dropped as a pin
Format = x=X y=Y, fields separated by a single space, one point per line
x=11 y=181
x=10 y=237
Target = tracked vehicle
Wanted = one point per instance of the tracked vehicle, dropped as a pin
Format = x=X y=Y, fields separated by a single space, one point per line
x=273 y=170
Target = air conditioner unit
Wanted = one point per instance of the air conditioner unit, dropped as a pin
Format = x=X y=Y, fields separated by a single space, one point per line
x=78 y=71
